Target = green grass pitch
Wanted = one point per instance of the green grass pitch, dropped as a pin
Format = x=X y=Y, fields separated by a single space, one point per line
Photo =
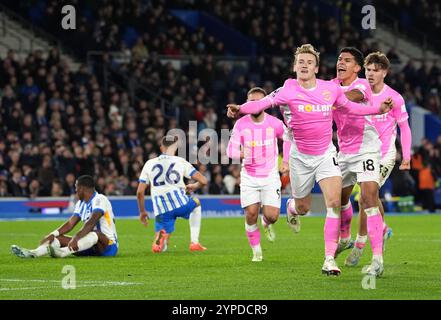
x=291 y=268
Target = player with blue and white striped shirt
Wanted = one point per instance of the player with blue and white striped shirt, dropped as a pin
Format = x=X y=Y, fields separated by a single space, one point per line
x=97 y=237
x=165 y=175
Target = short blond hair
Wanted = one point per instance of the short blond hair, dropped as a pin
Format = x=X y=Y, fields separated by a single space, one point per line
x=379 y=59
x=307 y=48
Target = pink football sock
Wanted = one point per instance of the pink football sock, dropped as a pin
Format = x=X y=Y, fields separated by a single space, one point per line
x=346 y=218
x=375 y=230
x=253 y=235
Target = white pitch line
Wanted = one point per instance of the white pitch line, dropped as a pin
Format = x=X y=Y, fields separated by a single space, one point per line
x=56 y=287
x=85 y=282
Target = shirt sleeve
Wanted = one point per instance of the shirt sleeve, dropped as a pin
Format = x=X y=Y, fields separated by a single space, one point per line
x=77 y=209
x=98 y=204
x=144 y=177
x=235 y=142
x=189 y=170
x=275 y=98
x=282 y=133
x=399 y=111
x=286 y=150
x=365 y=90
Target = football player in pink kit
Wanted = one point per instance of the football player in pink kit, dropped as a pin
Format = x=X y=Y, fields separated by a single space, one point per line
x=254 y=139
x=377 y=65
x=358 y=158
x=307 y=105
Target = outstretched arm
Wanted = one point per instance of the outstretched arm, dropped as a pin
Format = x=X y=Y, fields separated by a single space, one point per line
x=355 y=95
x=277 y=97
x=364 y=110
x=250 y=107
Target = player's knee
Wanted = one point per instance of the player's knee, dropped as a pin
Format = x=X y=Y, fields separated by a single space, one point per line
x=334 y=203
x=368 y=201
x=271 y=218
x=251 y=216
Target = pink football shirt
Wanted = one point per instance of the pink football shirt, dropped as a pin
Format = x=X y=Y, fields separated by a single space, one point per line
x=356 y=134
x=308 y=112
x=258 y=140
x=386 y=124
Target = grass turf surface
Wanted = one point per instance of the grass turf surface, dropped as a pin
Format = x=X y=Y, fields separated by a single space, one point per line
x=291 y=268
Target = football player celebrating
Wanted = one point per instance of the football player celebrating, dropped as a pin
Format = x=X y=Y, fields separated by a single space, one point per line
x=377 y=65
x=307 y=104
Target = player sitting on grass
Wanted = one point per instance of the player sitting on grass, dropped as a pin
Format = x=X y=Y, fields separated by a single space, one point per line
x=97 y=237
x=165 y=175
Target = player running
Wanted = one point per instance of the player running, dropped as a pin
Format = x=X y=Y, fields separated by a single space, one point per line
x=165 y=174
x=307 y=105
x=377 y=65
x=254 y=139
x=359 y=157
x=97 y=237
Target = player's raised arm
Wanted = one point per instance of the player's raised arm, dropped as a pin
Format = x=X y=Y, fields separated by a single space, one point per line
x=355 y=95
x=362 y=110
x=275 y=98
x=252 y=107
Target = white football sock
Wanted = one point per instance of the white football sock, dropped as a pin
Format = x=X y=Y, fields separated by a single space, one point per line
x=361 y=239
x=195 y=224
x=63 y=252
x=379 y=258
x=257 y=249
x=251 y=227
x=41 y=250
x=88 y=241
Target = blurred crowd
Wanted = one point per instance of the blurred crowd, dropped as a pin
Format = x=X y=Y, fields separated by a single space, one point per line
x=57 y=124
x=416 y=18
x=426 y=172
x=146 y=29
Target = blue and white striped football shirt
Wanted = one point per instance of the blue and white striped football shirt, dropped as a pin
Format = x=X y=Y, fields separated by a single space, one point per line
x=165 y=174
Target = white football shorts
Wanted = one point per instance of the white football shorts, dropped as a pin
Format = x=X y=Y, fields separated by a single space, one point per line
x=266 y=191
x=305 y=170
x=359 y=168
x=387 y=164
